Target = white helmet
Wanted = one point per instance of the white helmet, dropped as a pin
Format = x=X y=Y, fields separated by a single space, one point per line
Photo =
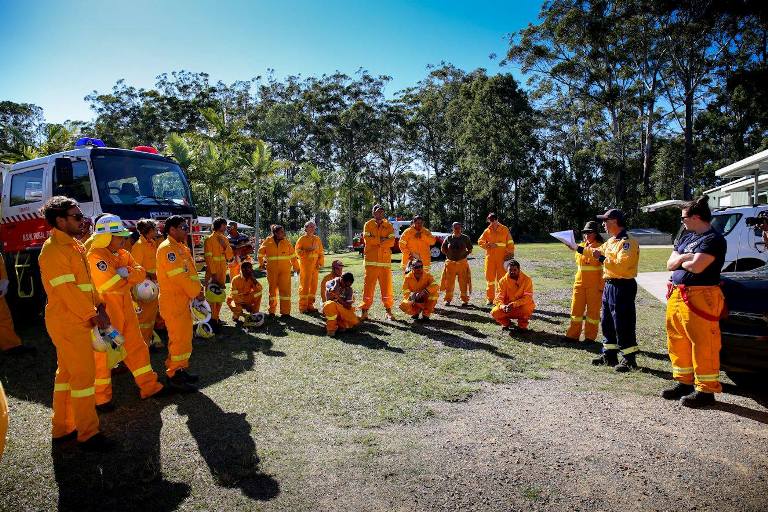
x=97 y=342
x=254 y=320
x=146 y=291
x=215 y=293
x=201 y=311
x=204 y=330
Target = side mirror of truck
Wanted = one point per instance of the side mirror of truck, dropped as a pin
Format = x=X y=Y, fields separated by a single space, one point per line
x=64 y=172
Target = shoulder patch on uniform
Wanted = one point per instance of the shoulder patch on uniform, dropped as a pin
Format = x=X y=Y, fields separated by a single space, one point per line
x=626 y=246
x=102 y=265
x=171 y=257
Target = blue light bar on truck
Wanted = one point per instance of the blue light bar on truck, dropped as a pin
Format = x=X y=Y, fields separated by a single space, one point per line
x=89 y=141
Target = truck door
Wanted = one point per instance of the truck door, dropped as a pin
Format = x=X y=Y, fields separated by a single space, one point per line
x=81 y=188
x=23 y=225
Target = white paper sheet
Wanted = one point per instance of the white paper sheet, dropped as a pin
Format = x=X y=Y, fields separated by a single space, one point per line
x=566 y=237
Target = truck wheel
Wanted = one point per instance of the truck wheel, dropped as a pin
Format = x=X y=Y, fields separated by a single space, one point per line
x=748 y=380
x=435 y=252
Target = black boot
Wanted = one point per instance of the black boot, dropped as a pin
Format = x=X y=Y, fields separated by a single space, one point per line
x=180 y=384
x=98 y=443
x=698 y=399
x=627 y=363
x=677 y=392
x=189 y=377
x=606 y=359
x=106 y=407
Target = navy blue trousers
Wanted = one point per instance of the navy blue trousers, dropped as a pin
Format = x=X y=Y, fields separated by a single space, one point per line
x=618 y=316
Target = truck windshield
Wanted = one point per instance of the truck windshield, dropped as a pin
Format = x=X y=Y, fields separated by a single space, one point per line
x=132 y=180
x=725 y=222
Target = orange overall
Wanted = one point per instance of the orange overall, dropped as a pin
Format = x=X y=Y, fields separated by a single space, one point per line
x=244 y=295
x=8 y=336
x=279 y=259
x=519 y=295
x=309 y=249
x=413 y=285
x=179 y=284
x=69 y=317
x=502 y=245
x=417 y=244
x=587 y=294
x=217 y=252
x=144 y=252
x=115 y=292
x=377 y=255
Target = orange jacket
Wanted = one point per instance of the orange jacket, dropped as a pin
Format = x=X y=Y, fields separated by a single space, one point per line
x=104 y=264
x=500 y=238
x=217 y=252
x=589 y=271
x=244 y=291
x=145 y=254
x=410 y=246
x=309 y=249
x=277 y=257
x=67 y=280
x=427 y=282
x=515 y=293
x=176 y=273
x=622 y=255
x=379 y=240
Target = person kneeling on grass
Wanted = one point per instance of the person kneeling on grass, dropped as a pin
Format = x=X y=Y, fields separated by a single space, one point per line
x=420 y=292
x=245 y=294
x=514 y=297
x=339 y=315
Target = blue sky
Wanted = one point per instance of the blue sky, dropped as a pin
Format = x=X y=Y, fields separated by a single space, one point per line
x=55 y=53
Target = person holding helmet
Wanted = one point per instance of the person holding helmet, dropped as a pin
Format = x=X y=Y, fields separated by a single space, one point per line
x=144 y=252
x=179 y=284
x=73 y=310
x=415 y=244
x=114 y=272
x=619 y=256
x=499 y=247
x=309 y=249
x=10 y=343
x=456 y=248
x=587 y=286
x=338 y=311
x=277 y=256
x=245 y=292
x=695 y=305
x=514 y=297
x=379 y=237
x=217 y=253
x=337 y=268
x=420 y=292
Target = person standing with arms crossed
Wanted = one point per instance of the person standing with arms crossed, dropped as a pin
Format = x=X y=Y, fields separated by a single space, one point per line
x=619 y=256
x=309 y=249
x=456 y=249
x=379 y=236
x=694 y=305
x=72 y=312
x=415 y=244
x=499 y=246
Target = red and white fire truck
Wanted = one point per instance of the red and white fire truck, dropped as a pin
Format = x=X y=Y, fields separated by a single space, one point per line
x=133 y=184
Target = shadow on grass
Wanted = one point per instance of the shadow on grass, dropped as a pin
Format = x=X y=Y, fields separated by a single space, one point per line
x=744 y=412
x=462 y=315
x=438 y=330
x=547 y=339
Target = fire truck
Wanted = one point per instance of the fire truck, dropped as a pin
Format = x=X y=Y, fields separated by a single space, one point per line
x=131 y=183
x=400 y=224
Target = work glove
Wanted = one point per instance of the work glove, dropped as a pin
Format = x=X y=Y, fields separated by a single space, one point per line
x=123 y=272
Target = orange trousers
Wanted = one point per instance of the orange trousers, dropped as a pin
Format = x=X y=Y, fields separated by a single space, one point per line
x=3 y=420
x=338 y=317
x=308 y=274
x=178 y=322
x=147 y=319
x=694 y=342
x=522 y=314
x=451 y=271
x=221 y=277
x=74 y=395
x=414 y=308
x=279 y=289
x=494 y=270
x=585 y=310
x=238 y=308
x=383 y=276
x=8 y=336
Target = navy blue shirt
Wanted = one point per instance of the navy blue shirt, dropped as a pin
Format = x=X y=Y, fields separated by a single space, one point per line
x=709 y=242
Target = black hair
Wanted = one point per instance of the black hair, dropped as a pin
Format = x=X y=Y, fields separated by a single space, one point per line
x=513 y=263
x=56 y=207
x=174 y=221
x=492 y=217
x=144 y=226
x=218 y=222
x=418 y=217
x=347 y=277
x=700 y=207
x=246 y=264
x=274 y=228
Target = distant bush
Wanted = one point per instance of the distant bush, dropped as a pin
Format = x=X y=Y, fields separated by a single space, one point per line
x=293 y=236
x=337 y=243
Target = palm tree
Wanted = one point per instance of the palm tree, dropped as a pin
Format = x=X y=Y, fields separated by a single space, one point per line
x=317 y=187
x=255 y=167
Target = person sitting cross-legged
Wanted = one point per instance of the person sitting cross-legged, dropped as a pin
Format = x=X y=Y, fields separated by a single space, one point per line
x=420 y=292
x=514 y=297
x=338 y=311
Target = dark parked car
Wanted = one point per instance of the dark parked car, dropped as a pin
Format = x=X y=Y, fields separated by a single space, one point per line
x=744 y=354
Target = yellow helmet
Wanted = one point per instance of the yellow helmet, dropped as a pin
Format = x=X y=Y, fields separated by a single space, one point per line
x=204 y=330
x=201 y=311
x=214 y=293
x=254 y=320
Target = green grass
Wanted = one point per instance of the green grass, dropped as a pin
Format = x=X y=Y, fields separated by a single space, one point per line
x=273 y=399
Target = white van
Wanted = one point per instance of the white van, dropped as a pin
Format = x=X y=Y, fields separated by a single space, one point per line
x=746 y=249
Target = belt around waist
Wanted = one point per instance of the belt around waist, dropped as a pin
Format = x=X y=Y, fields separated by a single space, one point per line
x=619 y=280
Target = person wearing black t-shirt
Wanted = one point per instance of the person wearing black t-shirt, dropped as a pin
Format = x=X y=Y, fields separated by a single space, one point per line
x=694 y=305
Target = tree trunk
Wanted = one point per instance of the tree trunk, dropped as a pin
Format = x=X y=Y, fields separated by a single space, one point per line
x=648 y=146
x=349 y=216
x=688 y=150
x=257 y=216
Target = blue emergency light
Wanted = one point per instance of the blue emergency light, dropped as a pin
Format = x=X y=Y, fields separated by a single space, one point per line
x=89 y=141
